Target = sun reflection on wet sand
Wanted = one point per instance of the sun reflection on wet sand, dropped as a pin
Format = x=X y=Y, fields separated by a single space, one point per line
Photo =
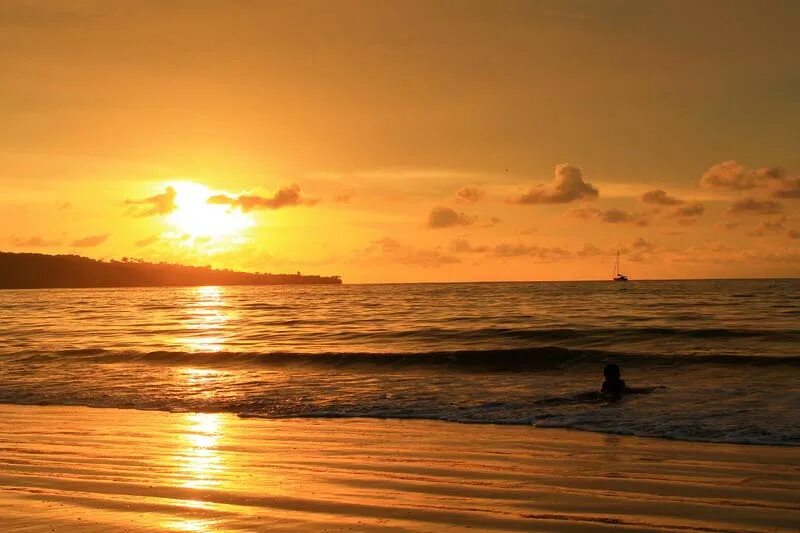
x=189 y=525
x=207 y=321
x=200 y=463
x=187 y=472
x=198 y=466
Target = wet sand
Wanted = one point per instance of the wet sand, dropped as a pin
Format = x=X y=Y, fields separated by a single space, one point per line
x=80 y=469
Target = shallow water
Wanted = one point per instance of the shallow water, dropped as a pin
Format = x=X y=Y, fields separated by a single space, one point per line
x=721 y=359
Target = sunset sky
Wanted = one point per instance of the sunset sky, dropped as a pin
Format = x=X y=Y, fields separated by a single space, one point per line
x=406 y=141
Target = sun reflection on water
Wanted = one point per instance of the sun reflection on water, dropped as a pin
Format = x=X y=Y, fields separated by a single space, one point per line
x=201 y=382
x=207 y=320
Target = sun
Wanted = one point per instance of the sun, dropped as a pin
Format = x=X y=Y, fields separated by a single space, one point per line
x=195 y=217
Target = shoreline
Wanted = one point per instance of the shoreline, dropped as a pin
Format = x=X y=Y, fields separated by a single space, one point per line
x=102 y=469
x=411 y=419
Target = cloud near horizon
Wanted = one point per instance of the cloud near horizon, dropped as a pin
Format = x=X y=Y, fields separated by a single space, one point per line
x=567 y=186
x=147 y=241
x=90 y=241
x=446 y=217
x=395 y=251
x=777 y=227
x=639 y=250
x=159 y=204
x=285 y=197
x=541 y=253
x=33 y=242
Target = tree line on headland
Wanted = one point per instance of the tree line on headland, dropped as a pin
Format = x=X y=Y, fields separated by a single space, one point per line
x=42 y=271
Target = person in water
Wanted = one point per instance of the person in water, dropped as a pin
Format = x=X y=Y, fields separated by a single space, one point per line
x=614 y=386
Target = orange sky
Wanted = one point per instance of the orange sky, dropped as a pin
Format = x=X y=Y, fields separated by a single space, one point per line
x=406 y=141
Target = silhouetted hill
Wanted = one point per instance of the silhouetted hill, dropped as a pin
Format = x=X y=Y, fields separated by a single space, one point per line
x=39 y=271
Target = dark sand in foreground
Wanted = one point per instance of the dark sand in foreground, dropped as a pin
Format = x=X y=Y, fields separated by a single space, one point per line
x=80 y=469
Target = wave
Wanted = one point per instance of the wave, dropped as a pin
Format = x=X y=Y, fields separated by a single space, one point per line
x=545 y=387
x=650 y=333
x=533 y=358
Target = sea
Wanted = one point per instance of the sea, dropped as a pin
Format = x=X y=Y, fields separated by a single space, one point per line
x=712 y=360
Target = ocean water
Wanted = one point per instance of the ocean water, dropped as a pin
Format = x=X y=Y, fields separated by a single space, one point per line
x=717 y=360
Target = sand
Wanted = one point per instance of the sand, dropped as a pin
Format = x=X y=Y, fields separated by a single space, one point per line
x=80 y=469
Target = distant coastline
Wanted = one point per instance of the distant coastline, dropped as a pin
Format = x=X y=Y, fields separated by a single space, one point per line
x=43 y=271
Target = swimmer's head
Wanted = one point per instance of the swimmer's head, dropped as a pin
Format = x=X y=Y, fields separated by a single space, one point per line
x=611 y=371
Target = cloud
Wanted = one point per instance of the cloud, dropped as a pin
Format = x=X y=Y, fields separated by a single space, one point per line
x=470 y=194
x=567 y=186
x=641 y=250
x=462 y=246
x=679 y=209
x=659 y=197
x=148 y=241
x=754 y=206
x=770 y=226
x=343 y=198
x=159 y=204
x=777 y=256
x=540 y=253
x=33 y=242
x=618 y=216
x=688 y=213
x=725 y=255
x=786 y=187
x=91 y=241
x=642 y=245
x=492 y=222
x=776 y=226
x=609 y=216
x=735 y=176
x=690 y=210
x=445 y=217
x=397 y=252
x=284 y=197
x=589 y=250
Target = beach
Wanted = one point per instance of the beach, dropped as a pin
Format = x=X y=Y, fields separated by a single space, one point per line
x=530 y=265
x=85 y=469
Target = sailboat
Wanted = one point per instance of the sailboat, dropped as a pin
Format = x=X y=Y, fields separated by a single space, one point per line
x=618 y=276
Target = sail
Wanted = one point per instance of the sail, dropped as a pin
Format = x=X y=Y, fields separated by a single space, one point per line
x=618 y=276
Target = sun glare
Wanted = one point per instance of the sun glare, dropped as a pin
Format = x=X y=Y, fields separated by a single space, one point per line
x=194 y=216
